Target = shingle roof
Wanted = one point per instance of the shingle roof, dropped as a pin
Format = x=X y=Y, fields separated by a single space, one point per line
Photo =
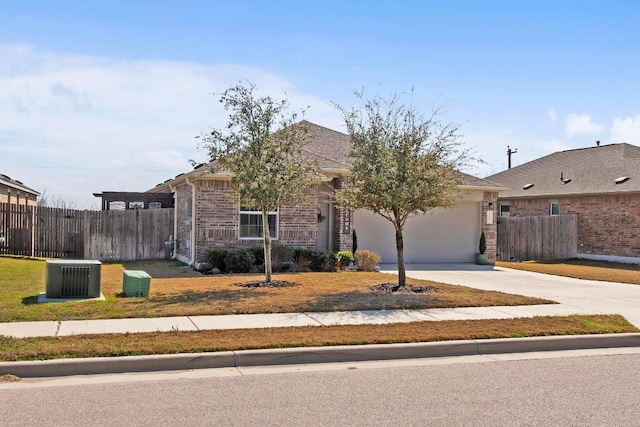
x=331 y=148
x=474 y=181
x=12 y=183
x=592 y=170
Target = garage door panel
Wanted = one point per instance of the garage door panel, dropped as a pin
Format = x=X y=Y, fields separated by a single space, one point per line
x=443 y=235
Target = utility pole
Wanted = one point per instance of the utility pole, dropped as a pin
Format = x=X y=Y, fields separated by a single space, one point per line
x=509 y=153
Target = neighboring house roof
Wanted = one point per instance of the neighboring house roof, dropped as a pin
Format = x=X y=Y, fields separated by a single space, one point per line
x=12 y=183
x=331 y=149
x=593 y=170
x=475 y=182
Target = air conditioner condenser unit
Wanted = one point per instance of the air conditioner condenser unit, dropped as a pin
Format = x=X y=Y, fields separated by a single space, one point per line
x=73 y=278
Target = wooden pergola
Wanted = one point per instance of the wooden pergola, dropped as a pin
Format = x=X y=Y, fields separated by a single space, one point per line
x=130 y=200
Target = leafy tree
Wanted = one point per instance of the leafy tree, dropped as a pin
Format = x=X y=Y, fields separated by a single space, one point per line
x=403 y=163
x=262 y=147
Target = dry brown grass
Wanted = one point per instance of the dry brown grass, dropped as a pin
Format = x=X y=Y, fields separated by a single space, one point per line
x=338 y=291
x=581 y=269
x=179 y=291
x=207 y=341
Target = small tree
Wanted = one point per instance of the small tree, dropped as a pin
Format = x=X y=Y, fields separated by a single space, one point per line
x=262 y=148
x=482 y=246
x=403 y=164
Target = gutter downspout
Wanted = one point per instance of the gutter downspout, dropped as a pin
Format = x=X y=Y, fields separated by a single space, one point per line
x=192 y=255
x=172 y=188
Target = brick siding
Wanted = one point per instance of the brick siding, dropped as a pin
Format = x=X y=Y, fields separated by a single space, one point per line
x=217 y=220
x=343 y=233
x=490 y=230
x=607 y=224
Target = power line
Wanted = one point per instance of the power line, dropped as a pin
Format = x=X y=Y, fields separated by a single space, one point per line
x=97 y=169
x=86 y=146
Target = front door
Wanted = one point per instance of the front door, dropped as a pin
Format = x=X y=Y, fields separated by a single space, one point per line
x=325 y=219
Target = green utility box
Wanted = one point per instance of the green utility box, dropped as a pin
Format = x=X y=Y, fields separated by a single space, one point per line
x=136 y=283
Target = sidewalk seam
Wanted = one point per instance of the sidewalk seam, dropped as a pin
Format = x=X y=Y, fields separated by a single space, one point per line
x=193 y=323
x=314 y=319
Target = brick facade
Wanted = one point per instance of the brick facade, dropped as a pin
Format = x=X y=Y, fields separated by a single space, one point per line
x=607 y=224
x=344 y=225
x=217 y=220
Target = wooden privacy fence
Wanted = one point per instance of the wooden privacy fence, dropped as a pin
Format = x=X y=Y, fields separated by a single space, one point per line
x=537 y=237
x=103 y=235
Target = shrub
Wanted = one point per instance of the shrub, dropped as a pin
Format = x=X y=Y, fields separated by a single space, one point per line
x=344 y=259
x=216 y=258
x=482 y=246
x=239 y=261
x=302 y=259
x=302 y=253
x=258 y=253
x=281 y=258
x=366 y=260
x=354 y=242
x=324 y=261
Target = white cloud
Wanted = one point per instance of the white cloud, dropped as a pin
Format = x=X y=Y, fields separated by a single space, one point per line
x=552 y=115
x=81 y=124
x=581 y=124
x=626 y=130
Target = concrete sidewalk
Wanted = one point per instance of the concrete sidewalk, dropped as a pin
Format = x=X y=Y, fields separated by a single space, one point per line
x=278 y=320
x=586 y=296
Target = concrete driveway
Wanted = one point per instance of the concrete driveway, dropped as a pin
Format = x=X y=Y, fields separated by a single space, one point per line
x=590 y=295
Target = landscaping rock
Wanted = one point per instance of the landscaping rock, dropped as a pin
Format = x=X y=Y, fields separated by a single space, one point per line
x=388 y=288
x=263 y=284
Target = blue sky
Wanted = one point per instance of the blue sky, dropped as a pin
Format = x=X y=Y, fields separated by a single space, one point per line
x=109 y=95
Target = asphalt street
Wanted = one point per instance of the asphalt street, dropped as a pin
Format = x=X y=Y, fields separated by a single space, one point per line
x=557 y=389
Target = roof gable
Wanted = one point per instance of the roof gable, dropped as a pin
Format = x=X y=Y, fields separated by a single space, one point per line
x=592 y=170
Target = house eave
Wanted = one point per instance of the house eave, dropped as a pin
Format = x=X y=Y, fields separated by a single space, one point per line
x=482 y=188
x=18 y=187
x=559 y=195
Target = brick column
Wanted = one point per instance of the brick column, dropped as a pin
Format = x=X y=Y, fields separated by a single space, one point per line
x=490 y=223
x=343 y=222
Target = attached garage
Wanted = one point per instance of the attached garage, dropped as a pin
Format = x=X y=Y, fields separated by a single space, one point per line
x=441 y=235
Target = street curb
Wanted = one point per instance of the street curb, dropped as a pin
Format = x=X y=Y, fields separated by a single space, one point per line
x=305 y=355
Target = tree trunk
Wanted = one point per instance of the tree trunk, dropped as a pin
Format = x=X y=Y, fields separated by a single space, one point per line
x=402 y=276
x=267 y=245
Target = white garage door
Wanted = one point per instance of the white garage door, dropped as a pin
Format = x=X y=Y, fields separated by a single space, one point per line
x=443 y=235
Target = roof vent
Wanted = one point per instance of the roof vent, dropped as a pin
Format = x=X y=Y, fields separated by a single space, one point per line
x=527 y=186
x=622 y=180
x=563 y=179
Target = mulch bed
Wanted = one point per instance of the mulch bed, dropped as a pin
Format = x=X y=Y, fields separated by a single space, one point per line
x=389 y=288
x=263 y=284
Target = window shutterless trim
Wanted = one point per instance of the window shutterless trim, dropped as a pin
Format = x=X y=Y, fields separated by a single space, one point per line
x=258 y=214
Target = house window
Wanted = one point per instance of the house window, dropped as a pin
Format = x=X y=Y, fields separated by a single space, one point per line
x=504 y=209
x=554 y=208
x=251 y=224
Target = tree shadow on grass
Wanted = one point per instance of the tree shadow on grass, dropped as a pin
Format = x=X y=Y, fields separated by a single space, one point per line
x=192 y=297
x=163 y=269
x=357 y=301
